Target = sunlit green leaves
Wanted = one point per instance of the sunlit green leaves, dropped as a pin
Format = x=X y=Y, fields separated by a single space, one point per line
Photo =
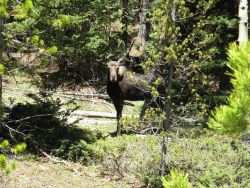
x=63 y=21
x=235 y=116
x=3 y=8
x=176 y=179
x=4 y=144
x=5 y=147
x=19 y=148
x=53 y=50
x=28 y=6
x=1 y=69
x=23 y=10
x=68 y=20
x=35 y=39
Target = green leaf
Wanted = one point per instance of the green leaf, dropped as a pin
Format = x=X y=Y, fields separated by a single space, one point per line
x=35 y=39
x=1 y=69
x=3 y=8
x=52 y=50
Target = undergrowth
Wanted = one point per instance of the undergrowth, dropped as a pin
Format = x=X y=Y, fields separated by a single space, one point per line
x=210 y=161
x=43 y=126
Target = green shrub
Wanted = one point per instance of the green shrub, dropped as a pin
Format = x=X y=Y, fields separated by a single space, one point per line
x=210 y=160
x=5 y=150
x=176 y=180
x=234 y=117
x=78 y=150
x=128 y=154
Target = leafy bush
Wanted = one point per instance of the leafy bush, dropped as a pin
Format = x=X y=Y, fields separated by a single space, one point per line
x=176 y=180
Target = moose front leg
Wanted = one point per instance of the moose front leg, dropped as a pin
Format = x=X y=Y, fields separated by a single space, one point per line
x=118 y=106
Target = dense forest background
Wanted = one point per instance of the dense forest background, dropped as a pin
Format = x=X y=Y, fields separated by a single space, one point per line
x=80 y=37
x=62 y=45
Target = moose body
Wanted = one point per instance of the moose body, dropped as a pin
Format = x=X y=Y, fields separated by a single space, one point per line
x=125 y=85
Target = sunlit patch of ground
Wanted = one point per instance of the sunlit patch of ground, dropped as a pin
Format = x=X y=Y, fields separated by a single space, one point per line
x=42 y=173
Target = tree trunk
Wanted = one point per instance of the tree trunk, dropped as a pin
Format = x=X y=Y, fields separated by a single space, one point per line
x=1 y=61
x=125 y=13
x=142 y=34
x=243 y=22
x=167 y=107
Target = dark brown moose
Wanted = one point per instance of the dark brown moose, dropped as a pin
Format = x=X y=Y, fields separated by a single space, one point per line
x=126 y=85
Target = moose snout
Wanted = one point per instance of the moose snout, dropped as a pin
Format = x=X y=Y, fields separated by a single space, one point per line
x=113 y=78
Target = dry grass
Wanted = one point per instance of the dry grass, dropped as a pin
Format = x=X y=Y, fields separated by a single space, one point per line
x=42 y=173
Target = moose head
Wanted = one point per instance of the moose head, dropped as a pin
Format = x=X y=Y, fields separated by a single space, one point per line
x=116 y=70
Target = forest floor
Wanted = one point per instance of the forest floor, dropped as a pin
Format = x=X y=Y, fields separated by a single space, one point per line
x=41 y=172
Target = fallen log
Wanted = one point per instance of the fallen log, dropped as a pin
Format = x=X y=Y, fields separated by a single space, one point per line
x=92 y=114
x=90 y=122
x=87 y=96
x=68 y=95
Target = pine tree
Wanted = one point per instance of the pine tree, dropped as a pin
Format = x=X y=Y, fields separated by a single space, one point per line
x=234 y=117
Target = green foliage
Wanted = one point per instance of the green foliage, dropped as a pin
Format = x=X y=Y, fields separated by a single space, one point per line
x=1 y=69
x=5 y=144
x=234 y=117
x=176 y=179
x=78 y=150
x=23 y=10
x=151 y=122
x=52 y=50
x=211 y=161
x=19 y=148
x=5 y=148
x=3 y=8
x=194 y=40
x=119 y=156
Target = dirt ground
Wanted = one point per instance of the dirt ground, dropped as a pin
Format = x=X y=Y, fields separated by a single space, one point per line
x=43 y=173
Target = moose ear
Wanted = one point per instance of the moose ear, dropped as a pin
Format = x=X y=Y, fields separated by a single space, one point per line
x=108 y=64
x=121 y=70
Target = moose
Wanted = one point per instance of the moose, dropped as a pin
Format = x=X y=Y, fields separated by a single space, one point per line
x=123 y=85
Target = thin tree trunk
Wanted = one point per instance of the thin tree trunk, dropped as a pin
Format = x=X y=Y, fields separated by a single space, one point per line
x=167 y=108
x=125 y=13
x=163 y=157
x=243 y=22
x=1 y=61
x=142 y=34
